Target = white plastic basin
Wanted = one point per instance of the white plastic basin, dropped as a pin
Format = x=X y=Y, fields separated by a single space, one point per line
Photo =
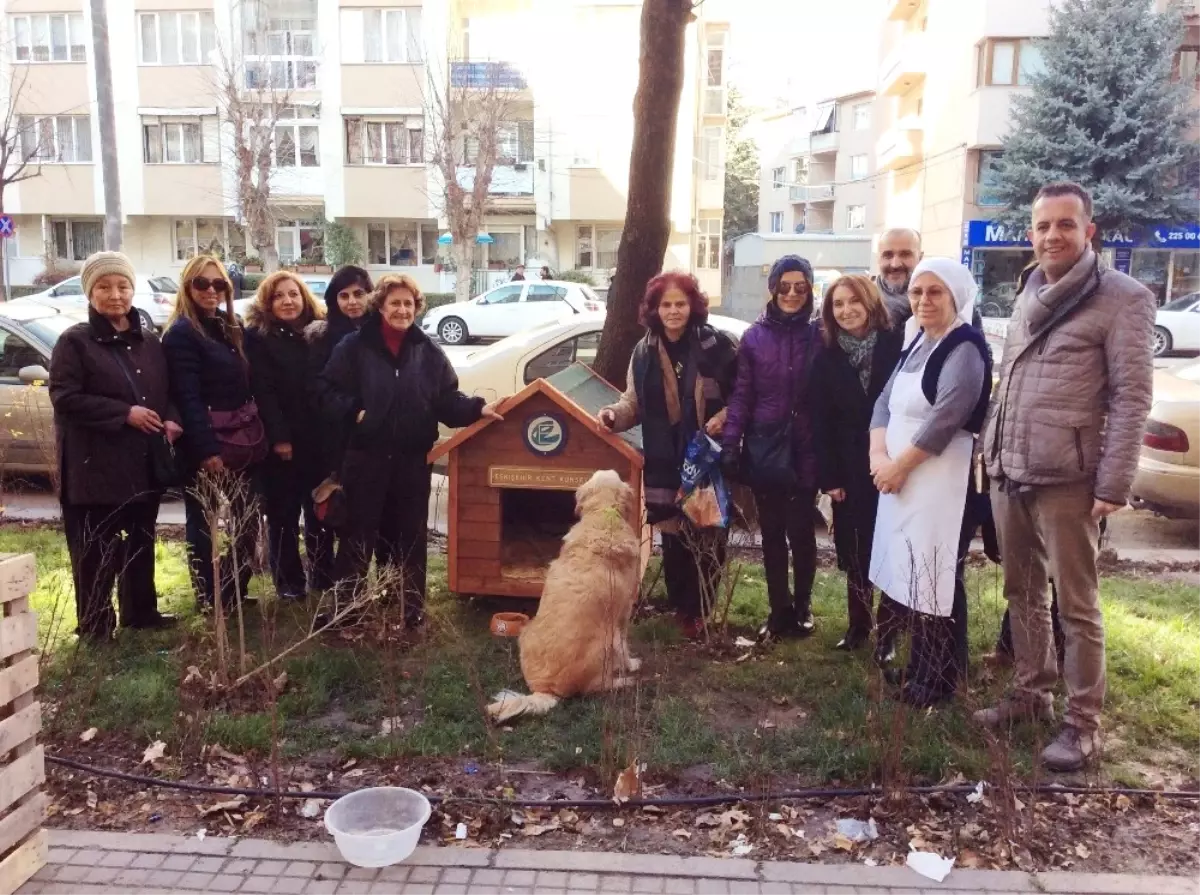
x=378 y=826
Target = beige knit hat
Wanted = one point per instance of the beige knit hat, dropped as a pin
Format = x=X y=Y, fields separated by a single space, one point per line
x=103 y=263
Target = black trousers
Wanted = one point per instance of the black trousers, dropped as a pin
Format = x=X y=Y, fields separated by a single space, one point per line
x=111 y=544
x=245 y=513
x=389 y=516
x=693 y=561
x=287 y=487
x=786 y=521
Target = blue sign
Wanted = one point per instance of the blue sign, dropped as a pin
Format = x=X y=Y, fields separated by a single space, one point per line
x=546 y=434
x=8 y=227
x=990 y=234
x=1123 y=259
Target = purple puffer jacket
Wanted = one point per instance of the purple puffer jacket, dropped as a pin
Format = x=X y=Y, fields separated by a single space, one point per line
x=775 y=358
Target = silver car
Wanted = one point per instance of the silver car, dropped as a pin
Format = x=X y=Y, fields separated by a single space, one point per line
x=154 y=297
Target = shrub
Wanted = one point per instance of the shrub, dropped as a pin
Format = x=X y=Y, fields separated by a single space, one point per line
x=341 y=245
x=575 y=276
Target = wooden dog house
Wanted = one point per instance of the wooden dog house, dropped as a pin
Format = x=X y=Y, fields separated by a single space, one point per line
x=512 y=482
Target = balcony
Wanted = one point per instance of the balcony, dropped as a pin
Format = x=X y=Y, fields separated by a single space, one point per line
x=486 y=75
x=821 y=192
x=901 y=145
x=512 y=185
x=820 y=144
x=904 y=67
x=901 y=10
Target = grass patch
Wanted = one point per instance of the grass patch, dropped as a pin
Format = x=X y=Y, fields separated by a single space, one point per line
x=802 y=710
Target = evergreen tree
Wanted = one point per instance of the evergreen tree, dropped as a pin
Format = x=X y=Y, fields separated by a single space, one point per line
x=741 y=173
x=1107 y=113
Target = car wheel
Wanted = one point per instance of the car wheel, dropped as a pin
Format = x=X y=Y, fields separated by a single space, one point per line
x=452 y=331
x=1162 y=341
x=147 y=323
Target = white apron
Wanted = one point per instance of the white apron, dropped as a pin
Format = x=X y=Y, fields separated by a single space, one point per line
x=915 y=550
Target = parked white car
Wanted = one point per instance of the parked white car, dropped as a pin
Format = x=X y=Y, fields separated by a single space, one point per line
x=507 y=366
x=509 y=309
x=154 y=297
x=1177 y=325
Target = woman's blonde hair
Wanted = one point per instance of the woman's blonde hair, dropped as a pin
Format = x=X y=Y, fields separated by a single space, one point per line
x=185 y=307
x=864 y=290
x=393 y=281
x=261 y=315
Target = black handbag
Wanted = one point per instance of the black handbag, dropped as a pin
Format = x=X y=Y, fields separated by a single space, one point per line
x=766 y=462
x=166 y=467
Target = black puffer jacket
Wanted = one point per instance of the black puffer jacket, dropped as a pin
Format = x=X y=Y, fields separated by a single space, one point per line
x=401 y=399
x=279 y=377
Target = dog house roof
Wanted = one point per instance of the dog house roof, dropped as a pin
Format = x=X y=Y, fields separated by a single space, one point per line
x=580 y=392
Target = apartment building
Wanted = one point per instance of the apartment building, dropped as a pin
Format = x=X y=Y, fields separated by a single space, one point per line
x=948 y=74
x=819 y=176
x=350 y=146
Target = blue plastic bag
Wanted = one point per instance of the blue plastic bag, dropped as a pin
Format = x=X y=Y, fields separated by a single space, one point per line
x=703 y=498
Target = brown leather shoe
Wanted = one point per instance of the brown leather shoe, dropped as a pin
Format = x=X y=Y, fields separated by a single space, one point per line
x=1014 y=711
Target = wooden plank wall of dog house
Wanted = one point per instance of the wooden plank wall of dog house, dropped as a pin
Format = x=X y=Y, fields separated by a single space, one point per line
x=22 y=760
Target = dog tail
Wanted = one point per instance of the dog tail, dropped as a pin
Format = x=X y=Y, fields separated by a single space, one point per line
x=511 y=705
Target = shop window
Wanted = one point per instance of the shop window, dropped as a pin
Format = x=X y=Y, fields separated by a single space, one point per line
x=998 y=270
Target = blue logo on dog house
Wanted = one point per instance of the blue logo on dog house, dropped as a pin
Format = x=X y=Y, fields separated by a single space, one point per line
x=545 y=434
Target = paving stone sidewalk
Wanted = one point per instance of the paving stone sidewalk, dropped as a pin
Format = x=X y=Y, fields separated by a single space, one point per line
x=108 y=863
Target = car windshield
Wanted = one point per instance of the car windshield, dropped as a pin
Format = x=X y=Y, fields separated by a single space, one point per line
x=590 y=294
x=1180 y=304
x=48 y=329
x=163 y=284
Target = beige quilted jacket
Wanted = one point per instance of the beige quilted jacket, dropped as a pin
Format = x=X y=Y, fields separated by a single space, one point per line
x=1075 y=385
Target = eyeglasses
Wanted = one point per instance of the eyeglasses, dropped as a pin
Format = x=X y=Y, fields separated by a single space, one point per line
x=203 y=284
x=799 y=288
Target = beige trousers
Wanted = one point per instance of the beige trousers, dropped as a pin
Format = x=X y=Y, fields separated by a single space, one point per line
x=1048 y=532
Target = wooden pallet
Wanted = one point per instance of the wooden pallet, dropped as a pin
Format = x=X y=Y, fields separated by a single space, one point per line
x=22 y=761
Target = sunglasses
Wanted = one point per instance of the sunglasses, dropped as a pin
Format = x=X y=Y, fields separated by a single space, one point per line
x=799 y=288
x=203 y=284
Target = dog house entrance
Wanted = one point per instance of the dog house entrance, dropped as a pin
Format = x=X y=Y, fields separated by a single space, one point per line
x=532 y=526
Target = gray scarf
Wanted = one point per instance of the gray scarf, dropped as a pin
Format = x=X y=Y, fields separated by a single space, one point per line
x=859 y=352
x=895 y=301
x=1044 y=298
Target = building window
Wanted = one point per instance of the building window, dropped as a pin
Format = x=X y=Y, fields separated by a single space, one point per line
x=985 y=180
x=856 y=217
x=296 y=143
x=826 y=119
x=778 y=175
x=76 y=240
x=207 y=236
x=302 y=241
x=1186 y=64
x=714 y=85
x=862 y=117
x=392 y=35
x=776 y=221
x=1004 y=63
x=708 y=244
x=596 y=248
x=393 y=244
x=176 y=38
x=280 y=53
x=858 y=167
x=514 y=143
x=54 y=37
x=398 y=142
x=58 y=138
x=179 y=141
x=710 y=152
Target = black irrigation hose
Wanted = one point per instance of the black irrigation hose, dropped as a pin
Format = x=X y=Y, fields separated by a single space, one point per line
x=670 y=802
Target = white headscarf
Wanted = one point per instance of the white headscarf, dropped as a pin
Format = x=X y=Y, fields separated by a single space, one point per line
x=958 y=280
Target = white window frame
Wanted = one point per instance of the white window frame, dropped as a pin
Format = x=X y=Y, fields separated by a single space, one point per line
x=853 y=212
x=593 y=235
x=73 y=27
x=387 y=242
x=203 y=28
x=70 y=223
x=510 y=148
x=714 y=93
x=776 y=222
x=178 y=123
x=712 y=139
x=287 y=70
x=862 y=162
x=295 y=227
x=375 y=22
x=50 y=154
x=295 y=123
x=708 y=244
x=408 y=126
x=860 y=116
x=227 y=226
x=778 y=176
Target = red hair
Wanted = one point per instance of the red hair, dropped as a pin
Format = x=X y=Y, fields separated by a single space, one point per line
x=657 y=288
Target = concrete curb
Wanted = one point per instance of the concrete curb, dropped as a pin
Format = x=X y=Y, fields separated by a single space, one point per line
x=510 y=864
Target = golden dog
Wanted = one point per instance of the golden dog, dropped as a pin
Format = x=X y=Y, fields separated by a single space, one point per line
x=577 y=642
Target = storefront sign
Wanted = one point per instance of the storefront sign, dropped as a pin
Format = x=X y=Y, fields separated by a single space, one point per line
x=537 y=478
x=1122 y=259
x=990 y=234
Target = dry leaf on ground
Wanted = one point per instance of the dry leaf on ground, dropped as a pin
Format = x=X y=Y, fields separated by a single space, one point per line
x=228 y=805
x=154 y=752
x=88 y=735
x=629 y=783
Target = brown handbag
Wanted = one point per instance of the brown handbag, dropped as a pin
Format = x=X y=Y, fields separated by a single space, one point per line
x=241 y=435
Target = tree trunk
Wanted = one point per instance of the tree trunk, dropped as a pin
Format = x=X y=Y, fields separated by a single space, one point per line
x=270 y=257
x=463 y=257
x=113 y=227
x=648 y=212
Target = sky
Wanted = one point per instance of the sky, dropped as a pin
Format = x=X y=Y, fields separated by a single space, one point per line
x=801 y=50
